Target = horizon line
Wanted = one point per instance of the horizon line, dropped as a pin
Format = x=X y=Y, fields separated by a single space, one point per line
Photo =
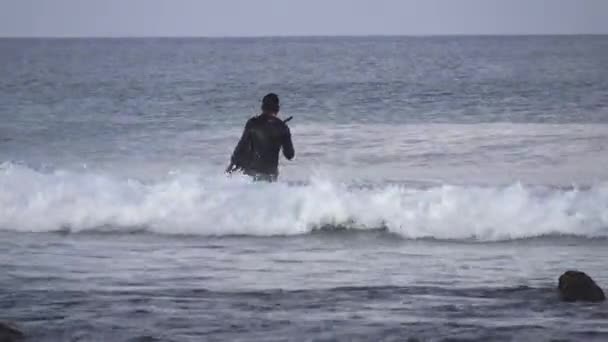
x=309 y=36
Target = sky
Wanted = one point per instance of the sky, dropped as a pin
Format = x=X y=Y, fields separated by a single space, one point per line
x=126 y=18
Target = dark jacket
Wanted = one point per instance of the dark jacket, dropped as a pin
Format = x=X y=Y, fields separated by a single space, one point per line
x=257 y=153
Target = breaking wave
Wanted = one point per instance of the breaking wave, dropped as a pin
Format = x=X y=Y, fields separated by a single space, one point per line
x=34 y=201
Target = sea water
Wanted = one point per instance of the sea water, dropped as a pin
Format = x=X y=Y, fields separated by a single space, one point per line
x=440 y=187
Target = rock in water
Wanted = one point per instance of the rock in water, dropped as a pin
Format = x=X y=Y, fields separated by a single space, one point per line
x=9 y=333
x=577 y=286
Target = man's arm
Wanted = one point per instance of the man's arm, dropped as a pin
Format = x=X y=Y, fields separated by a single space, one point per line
x=240 y=151
x=288 y=150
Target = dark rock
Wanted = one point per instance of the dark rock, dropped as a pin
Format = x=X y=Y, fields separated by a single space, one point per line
x=8 y=333
x=577 y=286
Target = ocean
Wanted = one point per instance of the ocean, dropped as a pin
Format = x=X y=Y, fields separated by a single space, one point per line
x=441 y=185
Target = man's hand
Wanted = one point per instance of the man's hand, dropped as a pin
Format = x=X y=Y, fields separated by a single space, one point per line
x=231 y=168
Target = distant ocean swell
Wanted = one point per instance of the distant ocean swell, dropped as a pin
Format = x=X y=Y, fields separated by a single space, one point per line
x=34 y=201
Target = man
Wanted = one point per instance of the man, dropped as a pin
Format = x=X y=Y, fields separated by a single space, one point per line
x=257 y=152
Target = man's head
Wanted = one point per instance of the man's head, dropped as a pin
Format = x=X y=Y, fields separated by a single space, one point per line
x=270 y=104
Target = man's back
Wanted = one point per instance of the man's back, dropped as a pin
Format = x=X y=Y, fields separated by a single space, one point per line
x=257 y=153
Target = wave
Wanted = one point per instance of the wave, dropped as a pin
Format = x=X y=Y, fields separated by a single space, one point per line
x=191 y=204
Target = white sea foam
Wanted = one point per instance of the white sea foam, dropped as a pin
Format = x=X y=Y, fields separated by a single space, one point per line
x=33 y=201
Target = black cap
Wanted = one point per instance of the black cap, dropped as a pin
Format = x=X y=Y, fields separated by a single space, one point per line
x=270 y=102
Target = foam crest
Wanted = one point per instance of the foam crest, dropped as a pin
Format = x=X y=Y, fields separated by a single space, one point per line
x=32 y=201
